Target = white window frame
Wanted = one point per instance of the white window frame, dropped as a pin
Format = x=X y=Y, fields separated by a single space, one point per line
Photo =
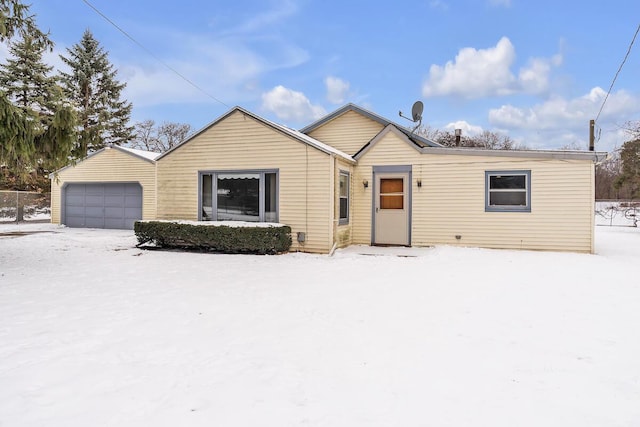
x=507 y=208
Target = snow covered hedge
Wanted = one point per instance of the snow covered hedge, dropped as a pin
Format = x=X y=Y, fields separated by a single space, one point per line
x=256 y=239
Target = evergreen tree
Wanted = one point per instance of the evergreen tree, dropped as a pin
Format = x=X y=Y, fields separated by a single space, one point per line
x=630 y=176
x=25 y=79
x=38 y=132
x=16 y=135
x=16 y=20
x=103 y=118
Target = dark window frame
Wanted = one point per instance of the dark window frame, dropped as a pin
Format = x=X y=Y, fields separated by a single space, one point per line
x=488 y=207
x=344 y=220
x=214 y=178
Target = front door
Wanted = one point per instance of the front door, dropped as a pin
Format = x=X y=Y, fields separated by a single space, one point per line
x=391 y=209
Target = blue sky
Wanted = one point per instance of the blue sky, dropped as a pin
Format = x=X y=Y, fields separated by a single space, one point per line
x=536 y=70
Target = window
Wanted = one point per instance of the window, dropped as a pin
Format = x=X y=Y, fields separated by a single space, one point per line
x=344 y=198
x=239 y=196
x=508 y=191
x=391 y=193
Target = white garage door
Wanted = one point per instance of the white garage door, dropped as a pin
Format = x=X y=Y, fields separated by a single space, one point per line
x=103 y=205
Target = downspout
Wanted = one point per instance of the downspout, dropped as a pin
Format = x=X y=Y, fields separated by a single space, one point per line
x=333 y=248
x=332 y=200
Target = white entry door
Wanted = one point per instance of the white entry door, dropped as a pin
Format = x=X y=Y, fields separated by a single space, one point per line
x=391 y=209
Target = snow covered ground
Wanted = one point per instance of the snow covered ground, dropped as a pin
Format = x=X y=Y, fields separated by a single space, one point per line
x=94 y=332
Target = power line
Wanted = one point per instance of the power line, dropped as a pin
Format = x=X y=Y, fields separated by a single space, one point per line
x=618 y=72
x=153 y=55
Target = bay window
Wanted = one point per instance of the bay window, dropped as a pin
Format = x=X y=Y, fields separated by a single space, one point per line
x=239 y=196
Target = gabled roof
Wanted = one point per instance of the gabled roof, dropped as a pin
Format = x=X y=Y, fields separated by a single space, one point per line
x=416 y=139
x=305 y=139
x=148 y=156
x=388 y=129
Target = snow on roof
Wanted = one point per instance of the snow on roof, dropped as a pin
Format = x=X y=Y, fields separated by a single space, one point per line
x=149 y=155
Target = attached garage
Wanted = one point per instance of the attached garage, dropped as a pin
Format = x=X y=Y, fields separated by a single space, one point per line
x=107 y=205
x=112 y=188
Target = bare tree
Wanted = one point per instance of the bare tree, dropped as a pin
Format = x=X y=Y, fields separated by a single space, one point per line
x=632 y=127
x=488 y=140
x=428 y=132
x=607 y=173
x=171 y=134
x=145 y=138
x=159 y=138
x=572 y=146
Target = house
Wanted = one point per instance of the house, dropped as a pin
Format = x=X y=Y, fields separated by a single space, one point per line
x=351 y=177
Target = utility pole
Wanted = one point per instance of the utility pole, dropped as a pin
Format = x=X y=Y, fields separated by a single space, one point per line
x=592 y=125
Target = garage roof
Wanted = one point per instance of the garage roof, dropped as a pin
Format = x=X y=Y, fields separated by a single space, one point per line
x=148 y=156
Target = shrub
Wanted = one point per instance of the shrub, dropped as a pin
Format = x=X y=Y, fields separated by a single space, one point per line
x=214 y=238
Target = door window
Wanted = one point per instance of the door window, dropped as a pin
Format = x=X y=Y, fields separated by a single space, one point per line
x=391 y=193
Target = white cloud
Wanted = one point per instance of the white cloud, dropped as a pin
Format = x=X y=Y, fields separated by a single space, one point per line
x=560 y=121
x=476 y=73
x=220 y=70
x=534 y=78
x=227 y=69
x=289 y=104
x=467 y=128
x=337 y=89
x=559 y=111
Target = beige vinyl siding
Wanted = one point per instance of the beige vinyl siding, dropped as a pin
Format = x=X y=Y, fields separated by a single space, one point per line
x=239 y=142
x=343 y=233
x=109 y=165
x=451 y=200
x=348 y=132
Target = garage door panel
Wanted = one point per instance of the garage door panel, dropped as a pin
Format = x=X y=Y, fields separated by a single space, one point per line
x=114 y=189
x=114 y=212
x=94 y=189
x=75 y=221
x=132 y=189
x=75 y=211
x=93 y=200
x=93 y=222
x=131 y=213
x=113 y=200
x=75 y=200
x=102 y=205
x=94 y=211
x=132 y=202
x=75 y=191
x=113 y=223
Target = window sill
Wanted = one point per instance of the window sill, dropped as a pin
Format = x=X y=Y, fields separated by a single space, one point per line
x=507 y=209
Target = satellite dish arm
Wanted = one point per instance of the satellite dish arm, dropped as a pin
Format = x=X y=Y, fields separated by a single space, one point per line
x=405 y=117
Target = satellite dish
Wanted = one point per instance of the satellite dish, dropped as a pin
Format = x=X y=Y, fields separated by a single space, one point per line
x=416 y=111
x=416 y=115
